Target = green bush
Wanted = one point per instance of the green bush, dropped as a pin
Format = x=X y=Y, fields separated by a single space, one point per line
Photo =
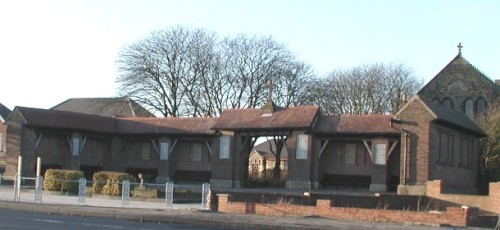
x=110 y=183
x=62 y=180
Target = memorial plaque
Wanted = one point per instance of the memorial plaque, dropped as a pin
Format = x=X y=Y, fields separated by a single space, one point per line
x=224 y=147
x=164 y=149
x=380 y=153
x=302 y=147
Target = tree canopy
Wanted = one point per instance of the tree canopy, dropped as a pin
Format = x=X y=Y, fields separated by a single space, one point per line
x=193 y=72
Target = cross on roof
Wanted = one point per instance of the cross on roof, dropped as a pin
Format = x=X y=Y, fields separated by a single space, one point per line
x=460 y=48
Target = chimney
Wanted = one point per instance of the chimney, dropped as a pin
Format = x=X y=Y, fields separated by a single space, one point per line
x=403 y=101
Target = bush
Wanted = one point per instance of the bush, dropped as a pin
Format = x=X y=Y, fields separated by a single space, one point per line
x=62 y=180
x=110 y=183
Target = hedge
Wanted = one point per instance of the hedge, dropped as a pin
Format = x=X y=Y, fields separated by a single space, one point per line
x=62 y=180
x=110 y=183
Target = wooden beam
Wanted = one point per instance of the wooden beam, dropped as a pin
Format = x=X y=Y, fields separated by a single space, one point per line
x=209 y=148
x=368 y=148
x=172 y=149
x=323 y=148
x=38 y=139
x=392 y=148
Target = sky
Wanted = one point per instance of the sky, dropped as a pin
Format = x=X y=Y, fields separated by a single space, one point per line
x=53 y=50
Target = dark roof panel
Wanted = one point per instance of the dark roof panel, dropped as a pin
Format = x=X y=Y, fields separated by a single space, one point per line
x=4 y=111
x=66 y=120
x=108 y=107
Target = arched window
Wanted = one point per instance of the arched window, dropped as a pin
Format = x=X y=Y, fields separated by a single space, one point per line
x=480 y=107
x=469 y=108
x=447 y=103
x=436 y=100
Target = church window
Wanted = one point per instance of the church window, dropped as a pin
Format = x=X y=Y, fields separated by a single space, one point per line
x=466 y=153
x=445 y=149
x=480 y=107
x=447 y=103
x=436 y=100
x=469 y=108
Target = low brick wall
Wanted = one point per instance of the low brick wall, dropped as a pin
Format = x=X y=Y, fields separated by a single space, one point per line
x=489 y=203
x=453 y=216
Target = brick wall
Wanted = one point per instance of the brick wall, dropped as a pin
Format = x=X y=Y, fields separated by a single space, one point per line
x=489 y=203
x=454 y=216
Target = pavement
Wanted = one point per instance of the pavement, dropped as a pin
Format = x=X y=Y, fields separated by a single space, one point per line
x=189 y=214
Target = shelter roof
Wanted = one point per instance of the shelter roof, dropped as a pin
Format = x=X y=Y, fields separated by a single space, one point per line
x=84 y=122
x=300 y=117
x=166 y=125
x=355 y=125
x=66 y=120
x=108 y=107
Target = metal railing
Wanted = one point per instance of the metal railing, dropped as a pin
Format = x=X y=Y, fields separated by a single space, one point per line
x=32 y=185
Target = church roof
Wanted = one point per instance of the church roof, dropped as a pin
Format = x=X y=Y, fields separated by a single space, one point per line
x=108 y=107
x=356 y=125
x=300 y=117
x=458 y=65
x=446 y=116
x=4 y=112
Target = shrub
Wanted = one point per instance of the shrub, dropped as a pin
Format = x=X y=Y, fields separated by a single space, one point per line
x=62 y=180
x=110 y=183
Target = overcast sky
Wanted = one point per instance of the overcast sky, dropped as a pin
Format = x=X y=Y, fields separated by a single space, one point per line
x=54 y=50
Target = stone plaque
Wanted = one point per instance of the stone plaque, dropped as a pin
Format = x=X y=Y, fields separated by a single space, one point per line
x=302 y=147
x=224 y=147
x=380 y=154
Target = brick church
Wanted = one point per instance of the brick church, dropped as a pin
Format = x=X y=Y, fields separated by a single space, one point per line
x=432 y=137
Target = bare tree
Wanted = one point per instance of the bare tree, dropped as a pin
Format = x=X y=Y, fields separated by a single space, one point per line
x=366 y=89
x=490 y=146
x=183 y=72
x=154 y=71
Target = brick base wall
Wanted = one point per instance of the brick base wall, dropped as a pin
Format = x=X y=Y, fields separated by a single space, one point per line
x=454 y=216
x=489 y=203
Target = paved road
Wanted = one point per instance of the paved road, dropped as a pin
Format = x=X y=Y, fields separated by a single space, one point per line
x=156 y=212
x=22 y=220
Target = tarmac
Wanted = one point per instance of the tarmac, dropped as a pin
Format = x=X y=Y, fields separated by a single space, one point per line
x=185 y=214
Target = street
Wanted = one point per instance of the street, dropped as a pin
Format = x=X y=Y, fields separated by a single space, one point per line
x=14 y=220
